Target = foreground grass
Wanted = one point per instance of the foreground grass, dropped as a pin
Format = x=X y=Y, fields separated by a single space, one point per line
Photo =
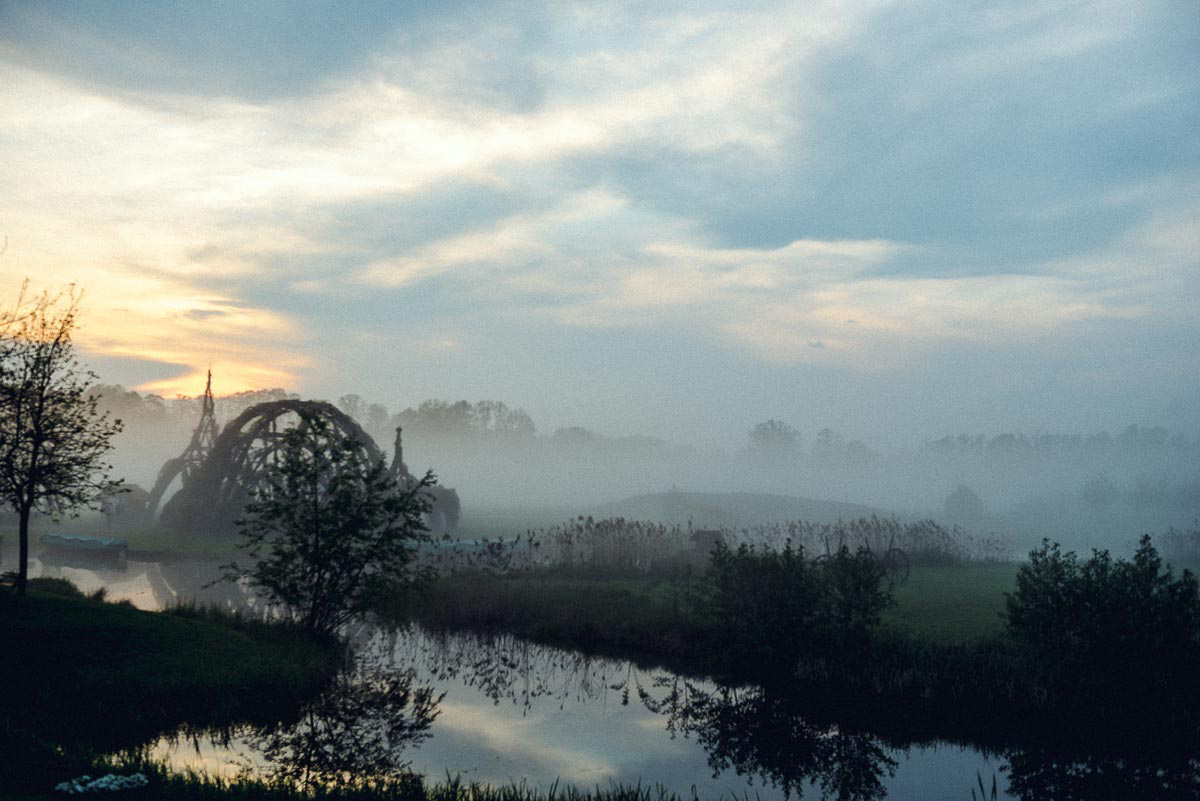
x=100 y=647
x=165 y=785
x=86 y=677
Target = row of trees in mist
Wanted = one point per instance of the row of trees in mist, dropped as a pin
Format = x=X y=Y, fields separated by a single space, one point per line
x=474 y=446
x=462 y=423
x=777 y=439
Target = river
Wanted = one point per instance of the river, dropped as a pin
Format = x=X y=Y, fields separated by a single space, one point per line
x=500 y=710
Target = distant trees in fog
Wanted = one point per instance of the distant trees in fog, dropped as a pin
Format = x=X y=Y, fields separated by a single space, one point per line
x=1041 y=482
x=462 y=420
x=1135 y=440
x=489 y=420
x=775 y=441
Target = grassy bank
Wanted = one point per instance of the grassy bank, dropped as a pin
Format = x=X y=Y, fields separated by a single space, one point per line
x=84 y=677
x=647 y=615
x=163 y=785
x=941 y=662
x=938 y=661
x=639 y=618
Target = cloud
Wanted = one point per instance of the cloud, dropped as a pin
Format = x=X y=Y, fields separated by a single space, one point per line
x=514 y=241
x=749 y=178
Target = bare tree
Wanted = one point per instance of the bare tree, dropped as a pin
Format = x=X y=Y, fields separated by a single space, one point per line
x=53 y=440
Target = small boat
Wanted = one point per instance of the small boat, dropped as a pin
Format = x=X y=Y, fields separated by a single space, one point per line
x=73 y=550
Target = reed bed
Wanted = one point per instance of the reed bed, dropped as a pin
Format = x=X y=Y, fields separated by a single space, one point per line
x=622 y=546
x=925 y=541
x=605 y=546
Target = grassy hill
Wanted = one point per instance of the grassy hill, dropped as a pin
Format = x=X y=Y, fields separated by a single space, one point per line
x=730 y=509
x=701 y=509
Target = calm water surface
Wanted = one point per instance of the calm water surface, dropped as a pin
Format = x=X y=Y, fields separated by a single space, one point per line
x=502 y=711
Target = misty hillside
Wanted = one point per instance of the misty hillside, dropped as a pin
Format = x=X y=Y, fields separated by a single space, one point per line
x=701 y=509
x=729 y=509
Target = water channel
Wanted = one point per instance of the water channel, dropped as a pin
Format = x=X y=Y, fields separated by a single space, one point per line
x=502 y=711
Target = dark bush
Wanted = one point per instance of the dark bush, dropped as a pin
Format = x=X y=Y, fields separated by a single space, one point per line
x=774 y=606
x=1130 y=626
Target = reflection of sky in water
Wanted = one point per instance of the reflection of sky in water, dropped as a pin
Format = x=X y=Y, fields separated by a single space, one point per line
x=589 y=743
x=596 y=741
x=581 y=735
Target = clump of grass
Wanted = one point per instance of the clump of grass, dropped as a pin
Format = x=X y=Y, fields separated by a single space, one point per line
x=60 y=587
x=613 y=546
x=926 y=542
x=197 y=786
x=104 y=676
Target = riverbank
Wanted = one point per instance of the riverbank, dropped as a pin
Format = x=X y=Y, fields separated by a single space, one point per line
x=163 y=785
x=941 y=663
x=649 y=614
x=652 y=618
x=84 y=677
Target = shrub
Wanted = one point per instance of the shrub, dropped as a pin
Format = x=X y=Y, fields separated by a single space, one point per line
x=1128 y=625
x=773 y=606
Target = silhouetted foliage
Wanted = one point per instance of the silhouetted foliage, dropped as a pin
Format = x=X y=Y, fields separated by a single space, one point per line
x=53 y=440
x=331 y=531
x=1121 y=625
x=775 y=605
x=357 y=730
x=924 y=541
x=765 y=733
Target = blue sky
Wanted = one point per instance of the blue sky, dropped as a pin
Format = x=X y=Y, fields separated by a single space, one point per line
x=895 y=219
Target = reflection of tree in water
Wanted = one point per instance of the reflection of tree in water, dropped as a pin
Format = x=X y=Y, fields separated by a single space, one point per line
x=751 y=731
x=359 y=728
x=506 y=668
x=780 y=739
x=759 y=733
x=378 y=710
x=1151 y=769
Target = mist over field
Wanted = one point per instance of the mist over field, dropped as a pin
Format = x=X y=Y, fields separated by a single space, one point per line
x=1085 y=489
x=811 y=386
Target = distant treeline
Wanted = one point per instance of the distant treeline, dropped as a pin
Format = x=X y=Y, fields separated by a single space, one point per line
x=1095 y=488
x=494 y=420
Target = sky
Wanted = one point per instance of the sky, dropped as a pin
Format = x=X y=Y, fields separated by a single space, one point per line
x=894 y=219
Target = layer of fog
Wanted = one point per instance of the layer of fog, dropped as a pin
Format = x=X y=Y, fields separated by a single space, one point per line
x=1081 y=488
